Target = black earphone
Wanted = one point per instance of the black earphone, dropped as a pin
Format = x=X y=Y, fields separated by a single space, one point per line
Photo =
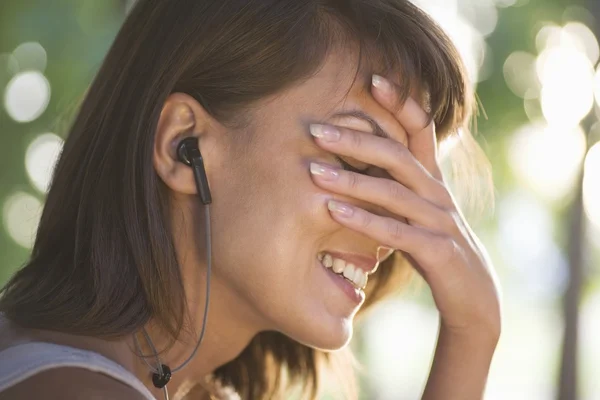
x=189 y=154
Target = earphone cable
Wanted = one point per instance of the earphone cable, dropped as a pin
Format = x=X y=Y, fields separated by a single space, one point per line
x=208 y=274
x=159 y=369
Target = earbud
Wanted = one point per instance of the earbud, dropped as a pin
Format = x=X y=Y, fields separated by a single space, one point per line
x=189 y=154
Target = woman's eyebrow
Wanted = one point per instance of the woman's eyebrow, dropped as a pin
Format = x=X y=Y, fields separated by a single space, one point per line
x=377 y=130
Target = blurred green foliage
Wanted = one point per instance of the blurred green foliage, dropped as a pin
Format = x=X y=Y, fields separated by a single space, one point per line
x=76 y=35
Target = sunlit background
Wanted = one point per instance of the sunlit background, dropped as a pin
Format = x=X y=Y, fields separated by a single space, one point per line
x=534 y=64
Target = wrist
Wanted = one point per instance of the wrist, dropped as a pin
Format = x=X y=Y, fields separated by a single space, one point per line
x=461 y=363
x=481 y=338
x=475 y=335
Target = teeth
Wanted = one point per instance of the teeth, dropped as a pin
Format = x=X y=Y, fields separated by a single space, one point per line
x=338 y=266
x=361 y=277
x=363 y=281
x=349 y=271
x=357 y=276
x=327 y=261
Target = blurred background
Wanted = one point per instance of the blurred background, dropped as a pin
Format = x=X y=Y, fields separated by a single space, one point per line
x=534 y=66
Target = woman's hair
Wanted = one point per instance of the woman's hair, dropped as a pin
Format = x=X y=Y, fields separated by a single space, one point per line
x=103 y=262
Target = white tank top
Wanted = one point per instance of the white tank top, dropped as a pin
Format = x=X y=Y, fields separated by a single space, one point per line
x=22 y=361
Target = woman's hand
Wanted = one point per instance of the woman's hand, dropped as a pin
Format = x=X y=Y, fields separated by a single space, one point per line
x=426 y=224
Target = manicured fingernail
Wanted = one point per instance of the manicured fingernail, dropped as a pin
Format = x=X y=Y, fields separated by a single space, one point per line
x=325 y=132
x=323 y=171
x=341 y=209
x=381 y=83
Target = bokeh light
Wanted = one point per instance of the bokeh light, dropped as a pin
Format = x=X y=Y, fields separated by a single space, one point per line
x=538 y=268
x=573 y=35
x=596 y=87
x=504 y=3
x=21 y=215
x=524 y=366
x=591 y=186
x=468 y=40
x=580 y=37
x=533 y=108
x=548 y=36
x=481 y=14
x=27 y=96
x=547 y=158
x=31 y=56
x=565 y=69
x=566 y=75
x=8 y=64
x=399 y=358
x=40 y=159
x=520 y=75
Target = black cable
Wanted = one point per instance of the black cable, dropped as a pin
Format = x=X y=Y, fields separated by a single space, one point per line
x=161 y=375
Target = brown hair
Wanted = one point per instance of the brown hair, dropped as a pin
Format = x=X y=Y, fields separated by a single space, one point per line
x=103 y=262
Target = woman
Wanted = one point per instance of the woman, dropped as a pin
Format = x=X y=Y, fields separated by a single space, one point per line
x=291 y=104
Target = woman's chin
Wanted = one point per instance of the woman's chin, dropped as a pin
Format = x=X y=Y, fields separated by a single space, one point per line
x=327 y=337
x=332 y=345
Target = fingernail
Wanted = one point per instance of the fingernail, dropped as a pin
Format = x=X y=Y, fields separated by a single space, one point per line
x=325 y=132
x=381 y=83
x=323 y=171
x=341 y=209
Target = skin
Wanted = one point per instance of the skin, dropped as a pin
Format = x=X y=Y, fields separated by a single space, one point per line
x=270 y=219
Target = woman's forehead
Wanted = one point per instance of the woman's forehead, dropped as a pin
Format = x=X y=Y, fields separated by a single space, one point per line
x=345 y=75
x=340 y=82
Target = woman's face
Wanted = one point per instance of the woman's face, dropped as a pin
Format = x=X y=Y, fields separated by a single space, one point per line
x=270 y=221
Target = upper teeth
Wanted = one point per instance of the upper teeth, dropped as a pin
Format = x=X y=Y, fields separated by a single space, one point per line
x=351 y=272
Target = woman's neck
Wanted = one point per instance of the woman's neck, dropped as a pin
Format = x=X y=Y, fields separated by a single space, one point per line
x=229 y=330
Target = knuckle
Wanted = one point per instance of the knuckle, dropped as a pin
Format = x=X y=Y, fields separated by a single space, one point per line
x=400 y=154
x=395 y=230
x=447 y=250
x=356 y=140
x=395 y=191
x=365 y=220
x=354 y=181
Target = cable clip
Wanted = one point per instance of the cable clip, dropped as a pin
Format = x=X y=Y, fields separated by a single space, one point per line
x=161 y=378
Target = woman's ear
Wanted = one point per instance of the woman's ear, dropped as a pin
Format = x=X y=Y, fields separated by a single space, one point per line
x=182 y=116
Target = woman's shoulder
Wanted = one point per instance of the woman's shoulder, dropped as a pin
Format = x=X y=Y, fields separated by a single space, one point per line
x=28 y=369
x=68 y=383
